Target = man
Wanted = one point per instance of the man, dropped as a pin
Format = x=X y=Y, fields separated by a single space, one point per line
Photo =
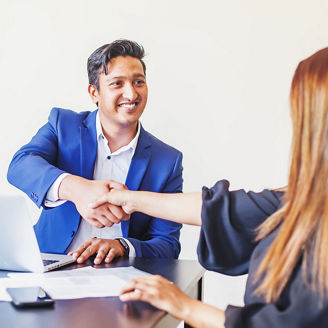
x=72 y=159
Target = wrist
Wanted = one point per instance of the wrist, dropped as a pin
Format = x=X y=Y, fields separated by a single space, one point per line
x=188 y=307
x=198 y=314
x=131 y=203
x=68 y=187
x=125 y=246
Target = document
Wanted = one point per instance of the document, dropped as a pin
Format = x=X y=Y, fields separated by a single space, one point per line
x=77 y=283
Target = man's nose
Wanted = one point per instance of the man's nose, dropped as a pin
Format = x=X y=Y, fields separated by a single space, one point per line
x=129 y=92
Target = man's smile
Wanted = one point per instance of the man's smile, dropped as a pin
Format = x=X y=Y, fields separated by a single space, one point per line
x=129 y=106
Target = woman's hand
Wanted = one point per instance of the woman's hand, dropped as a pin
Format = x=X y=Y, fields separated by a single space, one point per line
x=106 y=249
x=164 y=295
x=159 y=292
x=118 y=195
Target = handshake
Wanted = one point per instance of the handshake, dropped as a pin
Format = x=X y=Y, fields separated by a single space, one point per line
x=101 y=203
x=113 y=207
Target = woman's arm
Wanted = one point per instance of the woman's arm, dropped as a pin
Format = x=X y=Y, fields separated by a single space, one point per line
x=181 y=208
x=164 y=295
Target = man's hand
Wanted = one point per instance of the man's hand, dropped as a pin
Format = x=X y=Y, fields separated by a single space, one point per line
x=82 y=191
x=105 y=248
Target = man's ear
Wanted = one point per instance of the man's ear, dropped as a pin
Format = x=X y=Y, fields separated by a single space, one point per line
x=93 y=92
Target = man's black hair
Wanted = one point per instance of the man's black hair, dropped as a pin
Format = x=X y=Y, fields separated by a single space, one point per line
x=98 y=61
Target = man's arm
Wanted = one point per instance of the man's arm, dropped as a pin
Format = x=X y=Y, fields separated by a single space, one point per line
x=34 y=169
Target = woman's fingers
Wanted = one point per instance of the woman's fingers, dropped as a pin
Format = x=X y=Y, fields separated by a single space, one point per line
x=140 y=292
x=116 y=185
x=145 y=288
x=134 y=295
x=130 y=286
x=151 y=280
x=157 y=291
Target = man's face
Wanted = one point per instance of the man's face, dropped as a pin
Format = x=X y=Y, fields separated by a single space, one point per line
x=122 y=93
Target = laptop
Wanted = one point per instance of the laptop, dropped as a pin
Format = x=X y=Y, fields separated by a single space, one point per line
x=19 y=249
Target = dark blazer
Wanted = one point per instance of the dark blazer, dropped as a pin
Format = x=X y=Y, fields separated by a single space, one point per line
x=68 y=143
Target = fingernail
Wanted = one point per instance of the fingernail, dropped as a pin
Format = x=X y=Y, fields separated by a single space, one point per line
x=123 y=297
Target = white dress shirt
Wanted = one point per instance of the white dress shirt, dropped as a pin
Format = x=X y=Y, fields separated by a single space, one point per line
x=108 y=165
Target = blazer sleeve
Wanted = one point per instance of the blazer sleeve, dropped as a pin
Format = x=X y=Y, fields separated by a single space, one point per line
x=32 y=168
x=303 y=311
x=162 y=237
x=229 y=220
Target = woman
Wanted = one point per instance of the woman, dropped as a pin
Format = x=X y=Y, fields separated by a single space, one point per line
x=280 y=239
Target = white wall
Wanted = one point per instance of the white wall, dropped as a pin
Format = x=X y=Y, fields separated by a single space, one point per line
x=218 y=73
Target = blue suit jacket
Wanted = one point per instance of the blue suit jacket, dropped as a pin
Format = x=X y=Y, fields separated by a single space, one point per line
x=68 y=143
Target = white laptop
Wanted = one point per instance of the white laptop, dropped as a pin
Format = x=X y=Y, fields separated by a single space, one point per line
x=19 y=249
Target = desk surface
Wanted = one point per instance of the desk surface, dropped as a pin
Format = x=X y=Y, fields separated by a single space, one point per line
x=106 y=311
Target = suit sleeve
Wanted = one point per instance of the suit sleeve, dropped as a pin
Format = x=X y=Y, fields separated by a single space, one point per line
x=162 y=237
x=229 y=220
x=32 y=168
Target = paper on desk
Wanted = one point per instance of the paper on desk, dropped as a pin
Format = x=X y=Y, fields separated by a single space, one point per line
x=78 y=283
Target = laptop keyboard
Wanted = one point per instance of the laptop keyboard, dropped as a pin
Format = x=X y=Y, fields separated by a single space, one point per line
x=47 y=262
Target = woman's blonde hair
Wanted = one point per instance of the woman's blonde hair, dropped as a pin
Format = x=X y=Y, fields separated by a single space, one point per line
x=303 y=218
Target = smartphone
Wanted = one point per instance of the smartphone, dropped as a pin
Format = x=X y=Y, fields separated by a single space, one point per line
x=29 y=297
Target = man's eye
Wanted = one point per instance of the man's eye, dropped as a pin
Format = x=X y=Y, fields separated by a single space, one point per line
x=139 y=82
x=115 y=84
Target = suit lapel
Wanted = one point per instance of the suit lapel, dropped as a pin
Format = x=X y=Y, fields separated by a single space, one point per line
x=88 y=145
x=139 y=161
x=138 y=167
x=88 y=153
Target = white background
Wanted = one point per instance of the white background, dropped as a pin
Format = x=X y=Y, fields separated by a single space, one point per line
x=218 y=72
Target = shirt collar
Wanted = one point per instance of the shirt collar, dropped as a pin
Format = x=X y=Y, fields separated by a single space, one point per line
x=131 y=145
